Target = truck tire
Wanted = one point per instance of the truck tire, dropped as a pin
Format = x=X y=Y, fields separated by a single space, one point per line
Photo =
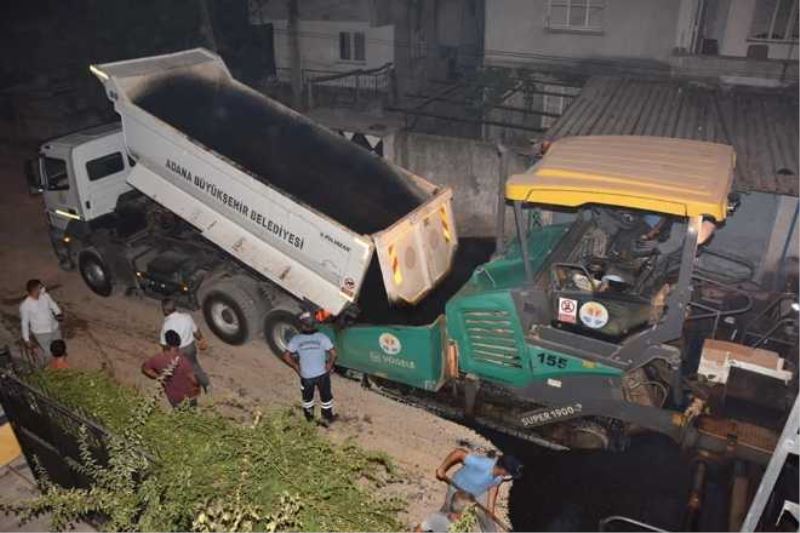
x=231 y=312
x=95 y=273
x=280 y=326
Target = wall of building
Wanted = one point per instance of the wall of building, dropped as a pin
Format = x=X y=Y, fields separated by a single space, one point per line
x=762 y=231
x=415 y=42
x=746 y=234
x=432 y=38
x=517 y=32
x=459 y=31
x=471 y=168
x=342 y=10
x=779 y=264
x=319 y=45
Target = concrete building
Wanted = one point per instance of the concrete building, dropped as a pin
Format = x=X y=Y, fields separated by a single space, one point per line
x=416 y=38
x=751 y=40
x=522 y=31
x=333 y=36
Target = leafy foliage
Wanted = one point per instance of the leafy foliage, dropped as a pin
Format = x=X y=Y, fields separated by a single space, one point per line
x=194 y=469
x=221 y=515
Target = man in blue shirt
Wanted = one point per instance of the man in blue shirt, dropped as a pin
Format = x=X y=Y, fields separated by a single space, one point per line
x=311 y=354
x=480 y=476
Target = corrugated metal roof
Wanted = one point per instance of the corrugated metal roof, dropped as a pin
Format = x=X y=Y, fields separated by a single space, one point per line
x=762 y=126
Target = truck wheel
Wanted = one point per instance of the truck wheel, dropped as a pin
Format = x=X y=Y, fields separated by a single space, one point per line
x=95 y=273
x=280 y=326
x=231 y=313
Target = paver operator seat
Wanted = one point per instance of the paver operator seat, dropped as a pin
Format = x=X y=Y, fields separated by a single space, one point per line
x=627 y=260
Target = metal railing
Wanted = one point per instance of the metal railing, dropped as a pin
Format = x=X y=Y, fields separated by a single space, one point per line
x=781 y=313
x=348 y=88
x=607 y=522
x=702 y=311
x=789 y=443
x=51 y=434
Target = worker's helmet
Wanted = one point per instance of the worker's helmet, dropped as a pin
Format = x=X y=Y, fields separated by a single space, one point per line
x=307 y=322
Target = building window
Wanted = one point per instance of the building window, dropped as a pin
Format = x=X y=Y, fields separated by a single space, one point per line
x=344 y=46
x=775 y=20
x=352 y=46
x=586 y=16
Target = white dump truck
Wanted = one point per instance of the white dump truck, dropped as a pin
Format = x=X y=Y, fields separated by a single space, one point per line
x=214 y=194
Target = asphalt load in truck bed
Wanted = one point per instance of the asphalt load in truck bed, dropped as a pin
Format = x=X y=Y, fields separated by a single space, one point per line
x=374 y=304
x=316 y=166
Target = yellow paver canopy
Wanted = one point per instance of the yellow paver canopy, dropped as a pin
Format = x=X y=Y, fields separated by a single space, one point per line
x=663 y=175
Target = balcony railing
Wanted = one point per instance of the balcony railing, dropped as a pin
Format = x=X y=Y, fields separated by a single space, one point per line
x=351 y=88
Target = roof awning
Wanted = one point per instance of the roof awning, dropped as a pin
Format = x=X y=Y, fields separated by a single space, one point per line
x=663 y=175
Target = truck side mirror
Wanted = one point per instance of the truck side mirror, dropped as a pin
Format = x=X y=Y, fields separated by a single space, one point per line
x=33 y=176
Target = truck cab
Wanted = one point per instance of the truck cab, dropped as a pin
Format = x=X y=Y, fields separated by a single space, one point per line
x=81 y=177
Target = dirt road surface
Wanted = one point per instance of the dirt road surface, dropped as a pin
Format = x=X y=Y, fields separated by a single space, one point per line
x=117 y=333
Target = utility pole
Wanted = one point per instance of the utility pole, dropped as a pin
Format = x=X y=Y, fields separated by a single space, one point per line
x=294 y=56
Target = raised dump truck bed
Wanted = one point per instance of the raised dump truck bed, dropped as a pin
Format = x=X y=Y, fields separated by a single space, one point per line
x=322 y=170
x=292 y=200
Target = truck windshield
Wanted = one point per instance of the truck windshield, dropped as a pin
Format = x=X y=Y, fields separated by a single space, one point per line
x=55 y=170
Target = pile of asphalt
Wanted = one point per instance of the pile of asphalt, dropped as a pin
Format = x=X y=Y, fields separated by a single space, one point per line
x=374 y=304
x=650 y=481
x=285 y=150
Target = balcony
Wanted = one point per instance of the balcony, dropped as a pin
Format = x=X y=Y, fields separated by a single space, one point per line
x=358 y=89
x=736 y=70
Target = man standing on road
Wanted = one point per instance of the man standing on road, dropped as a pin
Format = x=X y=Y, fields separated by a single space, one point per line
x=39 y=317
x=183 y=324
x=480 y=476
x=311 y=354
x=181 y=383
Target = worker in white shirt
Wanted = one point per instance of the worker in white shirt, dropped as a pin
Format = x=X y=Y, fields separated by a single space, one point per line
x=39 y=317
x=183 y=324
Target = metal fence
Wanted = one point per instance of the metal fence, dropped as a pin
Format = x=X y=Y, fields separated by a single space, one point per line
x=48 y=432
x=351 y=88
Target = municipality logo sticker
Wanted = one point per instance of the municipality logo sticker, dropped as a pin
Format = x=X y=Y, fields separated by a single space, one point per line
x=593 y=315
x=390 y=344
